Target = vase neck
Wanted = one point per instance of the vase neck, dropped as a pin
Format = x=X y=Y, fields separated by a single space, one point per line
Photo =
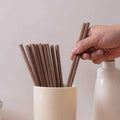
x=110 y=64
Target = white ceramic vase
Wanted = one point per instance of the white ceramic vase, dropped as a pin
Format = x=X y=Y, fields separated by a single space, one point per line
x=55 y=103
x=107 y=93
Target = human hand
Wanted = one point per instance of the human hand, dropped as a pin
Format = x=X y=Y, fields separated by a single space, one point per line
x=103 y=43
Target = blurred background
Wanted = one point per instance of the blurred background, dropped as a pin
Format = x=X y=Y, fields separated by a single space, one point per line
x=54 y=22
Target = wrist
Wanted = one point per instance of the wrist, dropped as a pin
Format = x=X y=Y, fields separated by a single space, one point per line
x=116 y=29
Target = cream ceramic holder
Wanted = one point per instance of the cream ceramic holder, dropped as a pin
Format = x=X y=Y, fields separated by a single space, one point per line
x=52 y=103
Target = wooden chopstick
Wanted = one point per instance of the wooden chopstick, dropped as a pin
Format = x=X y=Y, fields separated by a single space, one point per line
x=32 y=63
x=51 y=67
x=38 y=66
x=47 y=64
x=55 y=65
x=28 y=64
x=59 y=65
x=78 y=56
x=76 y=59
x=44 y=64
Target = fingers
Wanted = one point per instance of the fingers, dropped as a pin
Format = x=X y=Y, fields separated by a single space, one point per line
x=85 y=56
x=91 y=54
x=106 y=56
x=97 y=54
x=100 y=60
x=72 y=56
x=94 y=55
x=85 y=44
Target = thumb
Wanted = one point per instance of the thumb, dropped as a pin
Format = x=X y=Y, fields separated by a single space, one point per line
x=85 y=44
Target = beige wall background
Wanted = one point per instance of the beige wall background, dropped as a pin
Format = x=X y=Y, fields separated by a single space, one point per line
x=54 y=22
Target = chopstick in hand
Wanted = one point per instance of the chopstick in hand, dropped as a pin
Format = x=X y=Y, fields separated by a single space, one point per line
x=75 y=62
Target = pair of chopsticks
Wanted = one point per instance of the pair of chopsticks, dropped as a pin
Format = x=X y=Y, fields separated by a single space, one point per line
x=83 y=35
x=44 y=64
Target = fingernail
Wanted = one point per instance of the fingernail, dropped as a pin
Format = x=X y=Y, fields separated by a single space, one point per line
x=75 y=50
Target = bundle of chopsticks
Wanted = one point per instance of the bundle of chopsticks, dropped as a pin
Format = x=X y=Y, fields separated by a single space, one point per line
x=44 y=64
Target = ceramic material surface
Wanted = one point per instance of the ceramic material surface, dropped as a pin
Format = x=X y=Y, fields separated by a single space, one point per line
x=55 y=103
x=107 y=93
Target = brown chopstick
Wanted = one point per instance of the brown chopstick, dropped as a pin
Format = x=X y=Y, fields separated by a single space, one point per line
x=38 y=66
x=76 y=59
x=55 y=65
x=44 y=64
x=47 y=65
x=78 y=56
x=32 y=63
x=28 y=64
x=51 y=67
x=59 y=65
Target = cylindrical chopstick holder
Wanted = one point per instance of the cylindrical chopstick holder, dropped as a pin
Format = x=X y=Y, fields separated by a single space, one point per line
x=52 y=103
